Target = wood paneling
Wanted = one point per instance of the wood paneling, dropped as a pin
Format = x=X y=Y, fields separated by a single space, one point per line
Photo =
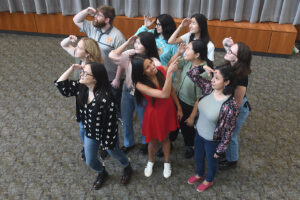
x=282 y=39
x=260 y=37
x=17 y=22
x=56 y=24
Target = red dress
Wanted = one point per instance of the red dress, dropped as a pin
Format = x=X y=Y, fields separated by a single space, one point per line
x=159 y=119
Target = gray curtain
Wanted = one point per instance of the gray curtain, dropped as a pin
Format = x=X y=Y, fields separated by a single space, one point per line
x=281 y=11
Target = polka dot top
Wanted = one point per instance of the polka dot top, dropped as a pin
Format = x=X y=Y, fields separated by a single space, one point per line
x=99 y=119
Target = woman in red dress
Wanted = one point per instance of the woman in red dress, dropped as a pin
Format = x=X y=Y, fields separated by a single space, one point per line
x=160 y=117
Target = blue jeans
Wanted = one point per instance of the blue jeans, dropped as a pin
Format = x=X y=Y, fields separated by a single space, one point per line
x=82 y=131
x=91 y=149
x=232 y=153
x=204 y=148
x=128 y=104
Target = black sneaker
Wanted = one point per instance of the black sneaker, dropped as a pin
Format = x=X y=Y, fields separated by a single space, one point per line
x=82 y=154
x=144 y=149
x=126 y=175
x=101 y=178
x=103 y=154
x=227 y=165
x=189 y=152
x=126 y=149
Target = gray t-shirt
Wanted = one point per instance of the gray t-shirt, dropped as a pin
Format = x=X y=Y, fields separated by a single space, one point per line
x=108 y=41
x=209 y=110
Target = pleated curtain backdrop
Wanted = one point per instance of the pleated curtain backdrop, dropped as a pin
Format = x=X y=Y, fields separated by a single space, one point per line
x=281 y=11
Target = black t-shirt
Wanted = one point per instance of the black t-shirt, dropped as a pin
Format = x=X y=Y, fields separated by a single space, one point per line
x=243 y=82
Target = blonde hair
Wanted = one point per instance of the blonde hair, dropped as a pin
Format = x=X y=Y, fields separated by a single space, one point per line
x=91 y=47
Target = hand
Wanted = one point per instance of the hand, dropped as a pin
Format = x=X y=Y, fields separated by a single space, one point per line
x=185 y=22
x=189 y=122
x=208 y=70
x=91 y=11
x=132 y=39
x=115 y=83
x=179 y=114
x=148 y=21
x=216 y=156
x=228 y=42
x=181 y=48
x=173 y=66
x=77 y=66
x=72 y=38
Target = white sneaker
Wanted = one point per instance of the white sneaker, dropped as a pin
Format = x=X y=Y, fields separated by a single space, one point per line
x=148 y=169
x=167 y=170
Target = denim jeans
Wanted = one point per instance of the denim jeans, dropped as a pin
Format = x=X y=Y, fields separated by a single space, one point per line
x=204 y=148
x=82 y=131
x=91 y=149
x=232 y=152
x=128 y=104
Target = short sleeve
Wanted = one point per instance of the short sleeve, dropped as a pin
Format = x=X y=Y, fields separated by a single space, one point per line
x=87 y=27
x=210 y=51
x=243 y=82
x=185 y=38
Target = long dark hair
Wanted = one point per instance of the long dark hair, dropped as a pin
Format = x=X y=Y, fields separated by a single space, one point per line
x=201 y=48
x=167 y=24
x=138 y=75
x=102 y=87
x=242 y=66
x=148 y=41
x=202 y=23
x=228 y=73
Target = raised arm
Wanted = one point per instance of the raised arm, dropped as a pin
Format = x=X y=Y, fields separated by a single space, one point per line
x=79 y=17
x=66 y=44
x=68 y=72
x=227 y=43
x=195 y=75
x=166 y=90
x=180 y=50
x=174 y=39
x=116 y=53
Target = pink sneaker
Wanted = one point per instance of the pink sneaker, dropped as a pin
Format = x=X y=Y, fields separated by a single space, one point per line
x=194 y=179
x=203 y=187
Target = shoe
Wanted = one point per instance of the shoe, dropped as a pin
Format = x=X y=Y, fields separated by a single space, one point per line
x=82 y=154
x=167 y=170
x=160 y=152
x=101 y=178
x=194 y=179
x=149 y=168
x=144 y=149
x=126 y=175
x=189 y=152
x=126 y=149
x=103 y=154
x=227 y=165
x=222 y=160
x=203 y=187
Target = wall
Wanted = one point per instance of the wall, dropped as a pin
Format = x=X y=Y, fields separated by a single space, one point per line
x=260 y=37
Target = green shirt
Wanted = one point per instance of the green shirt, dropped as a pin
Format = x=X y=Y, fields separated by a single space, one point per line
x=188 y=92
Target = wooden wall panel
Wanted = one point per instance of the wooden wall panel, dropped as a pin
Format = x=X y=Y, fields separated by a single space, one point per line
x=17 y=22
x=56 y=24
x=282 y=39
x=250 y=34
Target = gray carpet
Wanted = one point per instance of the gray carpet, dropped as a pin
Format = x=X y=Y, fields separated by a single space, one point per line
x=40 y=144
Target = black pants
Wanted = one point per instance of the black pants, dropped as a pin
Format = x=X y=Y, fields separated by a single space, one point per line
x=188 y=132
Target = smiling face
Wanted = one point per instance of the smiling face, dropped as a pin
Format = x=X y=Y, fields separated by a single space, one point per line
x=149 y=68
x=231 y=54
x=139 y=47
x=86 y=76
x=80 y=50
x=194 y=26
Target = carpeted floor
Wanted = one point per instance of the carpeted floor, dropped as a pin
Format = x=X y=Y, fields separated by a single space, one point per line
x=40 y=144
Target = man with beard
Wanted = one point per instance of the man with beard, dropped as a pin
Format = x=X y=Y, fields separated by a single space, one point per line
x=108 y=38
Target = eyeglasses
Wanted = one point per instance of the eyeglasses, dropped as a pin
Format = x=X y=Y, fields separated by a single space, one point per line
x=85 y=73
x=98 y=14
x=229 y=51
x=157 y=24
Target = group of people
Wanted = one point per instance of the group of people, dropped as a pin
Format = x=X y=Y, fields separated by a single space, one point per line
x=208 y=108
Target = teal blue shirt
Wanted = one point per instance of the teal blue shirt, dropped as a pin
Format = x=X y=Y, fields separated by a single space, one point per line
x=165 y=50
